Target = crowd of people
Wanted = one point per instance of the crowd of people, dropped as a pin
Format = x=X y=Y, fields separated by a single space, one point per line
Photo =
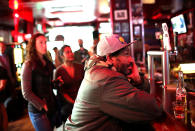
x=113 y=94
x=99 y=89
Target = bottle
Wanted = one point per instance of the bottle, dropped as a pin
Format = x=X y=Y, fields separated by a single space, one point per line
x=180 y=90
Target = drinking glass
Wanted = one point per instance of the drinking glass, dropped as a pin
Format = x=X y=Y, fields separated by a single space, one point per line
x=179 y=110
x=192 y=112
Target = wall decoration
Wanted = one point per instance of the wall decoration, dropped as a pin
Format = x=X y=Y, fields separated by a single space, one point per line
x=120 y=15
x=117 y=28
x=137 y=30
x=125 y=27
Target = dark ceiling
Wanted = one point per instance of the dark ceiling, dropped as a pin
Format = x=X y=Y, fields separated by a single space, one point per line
x=5 y=13
x=165 y=7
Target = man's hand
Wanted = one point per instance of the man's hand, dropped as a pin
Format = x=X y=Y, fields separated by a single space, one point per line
x=135 y=73
x=83 y=60
x=45 y=105
x=45 y=108
x=58 y=82
x=2 y=84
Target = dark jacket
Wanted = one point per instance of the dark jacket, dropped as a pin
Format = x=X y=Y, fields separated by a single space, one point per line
x=80 y=55
x=37 y=86
x=107 y=101
x=4 y=92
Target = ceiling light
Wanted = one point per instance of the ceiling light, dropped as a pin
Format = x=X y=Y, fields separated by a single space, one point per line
x=148 y=1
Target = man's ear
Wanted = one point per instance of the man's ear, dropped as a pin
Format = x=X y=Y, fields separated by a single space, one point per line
x=108 y=58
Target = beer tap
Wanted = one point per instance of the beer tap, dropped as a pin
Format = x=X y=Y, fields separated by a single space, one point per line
x=166 y=48
x=175 y=51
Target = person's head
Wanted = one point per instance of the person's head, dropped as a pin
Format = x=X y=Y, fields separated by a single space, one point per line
x=2 y=48
x=36 y=46
x=55 y=49
x=80 y=41
x=95 y=42
x=66 y=53
x=117 y=53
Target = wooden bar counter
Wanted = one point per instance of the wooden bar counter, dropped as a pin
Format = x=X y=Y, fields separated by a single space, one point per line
x=169 y=123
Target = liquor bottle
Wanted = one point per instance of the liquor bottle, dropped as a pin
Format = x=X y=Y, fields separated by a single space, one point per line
x=180 y=90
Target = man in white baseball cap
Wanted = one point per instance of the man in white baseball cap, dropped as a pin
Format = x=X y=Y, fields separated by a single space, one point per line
x=110 y=44
x=112 y=93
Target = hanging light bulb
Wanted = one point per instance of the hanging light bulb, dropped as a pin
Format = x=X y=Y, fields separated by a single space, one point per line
x=148 y=1
x=16 y=15
x=15 y=4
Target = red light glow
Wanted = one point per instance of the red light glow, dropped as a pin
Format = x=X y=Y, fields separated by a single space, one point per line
x=156 y=16
x=15 y=4
x=16 y=15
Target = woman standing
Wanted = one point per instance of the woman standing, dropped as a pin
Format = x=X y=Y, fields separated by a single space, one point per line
x=71 y=74
x=37 y=86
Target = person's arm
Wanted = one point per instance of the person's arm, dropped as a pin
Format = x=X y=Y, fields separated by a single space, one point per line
x=87 y=52
x=68 y=98
x=3 y=78
x=143 y=85
x=123 y=101
x=137 y=79
x=59 y=78
x=134 y=74
x=26 y=85
x=2 y=84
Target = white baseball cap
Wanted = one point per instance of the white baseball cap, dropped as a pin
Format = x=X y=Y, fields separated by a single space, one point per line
x=111 y=44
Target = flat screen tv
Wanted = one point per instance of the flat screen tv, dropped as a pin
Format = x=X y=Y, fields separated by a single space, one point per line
x=178 y=24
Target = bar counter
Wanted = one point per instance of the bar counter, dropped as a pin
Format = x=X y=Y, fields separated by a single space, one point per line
x=167 y=96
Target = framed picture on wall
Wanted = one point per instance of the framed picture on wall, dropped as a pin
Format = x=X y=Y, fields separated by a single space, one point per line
x=117 y=27
x=137 y=10
x=120 y=15
x=125 y=27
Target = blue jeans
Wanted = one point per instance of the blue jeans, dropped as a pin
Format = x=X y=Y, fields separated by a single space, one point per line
x=40 y=121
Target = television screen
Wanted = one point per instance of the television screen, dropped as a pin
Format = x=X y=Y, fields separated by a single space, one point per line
x=178 y=24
